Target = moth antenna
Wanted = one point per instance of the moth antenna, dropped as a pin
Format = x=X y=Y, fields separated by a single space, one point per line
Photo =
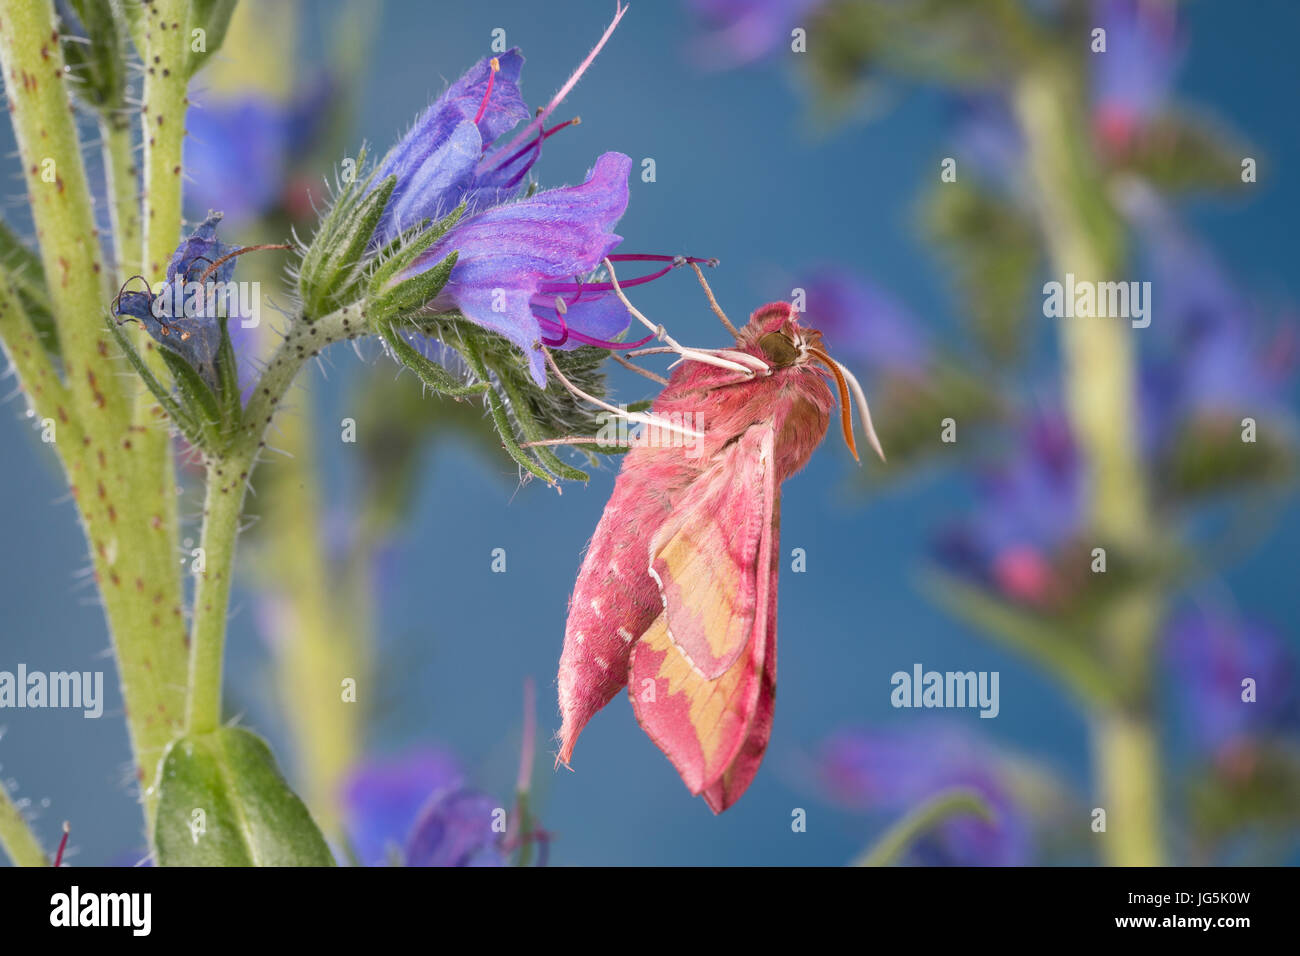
x=713 y=302
x=848 y=378
x=620 y=412
x=697 y=355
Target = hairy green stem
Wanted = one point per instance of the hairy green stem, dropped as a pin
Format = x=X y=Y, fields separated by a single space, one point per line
x=123 y=181
x=16 y=837
x=131 y=542
x=1085 y=238
x=227 y=479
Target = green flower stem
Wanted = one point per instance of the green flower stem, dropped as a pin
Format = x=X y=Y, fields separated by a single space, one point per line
x=122 y=176
x=16 y=837
x=1085 y=237
x=889 y=849
x=131 y=544
x=227 y=480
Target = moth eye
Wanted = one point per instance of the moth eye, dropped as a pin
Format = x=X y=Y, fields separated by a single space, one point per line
x=778 y=348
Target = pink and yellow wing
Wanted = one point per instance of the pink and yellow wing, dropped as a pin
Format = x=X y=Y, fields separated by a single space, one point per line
x=702 y=678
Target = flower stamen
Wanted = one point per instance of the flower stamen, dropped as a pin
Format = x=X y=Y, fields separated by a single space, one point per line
x=494 y=66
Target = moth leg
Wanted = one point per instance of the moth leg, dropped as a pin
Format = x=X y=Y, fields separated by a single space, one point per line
x=578 y=440
x=713 y=303
x=638 y=369
x=696 y=355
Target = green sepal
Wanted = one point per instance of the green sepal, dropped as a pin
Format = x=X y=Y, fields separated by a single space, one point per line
x=332 y=267
x=222 y=801
x=197 y=396
x=228 y=394
x=496 y=408
x=400 y=254
x=412 y=294
x=213 y=18
x=189 y=426
x=431 y=373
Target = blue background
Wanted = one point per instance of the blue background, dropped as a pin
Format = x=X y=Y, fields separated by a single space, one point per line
x=743 y=173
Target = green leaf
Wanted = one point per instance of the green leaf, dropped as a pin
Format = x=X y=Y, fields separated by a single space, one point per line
x=213 y=18
x=95 y=52
x=431 y=373
x=995 y=250
x=223 y=802
x=27 y=276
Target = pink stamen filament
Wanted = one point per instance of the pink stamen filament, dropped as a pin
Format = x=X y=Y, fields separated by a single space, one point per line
x=561 y=288
x=493 y=66
x=568 y=333
x=536 y=144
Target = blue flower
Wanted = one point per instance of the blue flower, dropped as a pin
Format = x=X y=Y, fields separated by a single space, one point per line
x=416 y=810
x=1132 y=79
x=511 y=255
x=893 y=771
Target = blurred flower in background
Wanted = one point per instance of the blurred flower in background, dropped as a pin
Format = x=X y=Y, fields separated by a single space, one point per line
x=741 y=31
x=242 y=149
x=416 y=810
x=1132 y=80
x=1027 y=510
x=1212 y=658
x=891 y=771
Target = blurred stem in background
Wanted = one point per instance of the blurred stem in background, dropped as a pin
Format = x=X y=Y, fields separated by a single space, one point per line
x=1085 y=238
x=322 y=626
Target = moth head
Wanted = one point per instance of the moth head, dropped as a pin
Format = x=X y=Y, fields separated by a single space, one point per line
x=785 y=343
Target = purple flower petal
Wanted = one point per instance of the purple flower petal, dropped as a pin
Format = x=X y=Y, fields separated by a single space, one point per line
x=383 y=798
x=508 y=252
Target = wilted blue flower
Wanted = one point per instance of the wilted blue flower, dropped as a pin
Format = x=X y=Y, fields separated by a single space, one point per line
x=1210 y=656
x=1132 y=79
x=893 y=771
x=416 y=810
x=240 y=151
x=183 y=316
x=864 y=324
x=1026 y=511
